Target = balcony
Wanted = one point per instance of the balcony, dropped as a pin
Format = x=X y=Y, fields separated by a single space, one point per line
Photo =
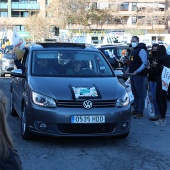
x=3 y=5
x=123 y=26
x=127 y=13
x=21 y=6
x=25 y=6
x=13 y=20
x=153 y=1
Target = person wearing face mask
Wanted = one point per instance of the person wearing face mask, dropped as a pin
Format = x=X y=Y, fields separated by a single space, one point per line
x=138 y=75
x=152 y=81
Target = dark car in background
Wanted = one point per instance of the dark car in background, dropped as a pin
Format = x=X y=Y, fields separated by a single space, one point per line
x=112 y=52
x=56 y=102
x=6 y=61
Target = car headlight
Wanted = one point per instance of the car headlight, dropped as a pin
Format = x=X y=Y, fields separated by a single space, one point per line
x=43 y=100
x=123 y=101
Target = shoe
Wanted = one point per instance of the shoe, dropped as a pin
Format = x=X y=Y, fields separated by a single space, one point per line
x=154 y=118
x=138 y=116
x=160 y=122
x=134 y=112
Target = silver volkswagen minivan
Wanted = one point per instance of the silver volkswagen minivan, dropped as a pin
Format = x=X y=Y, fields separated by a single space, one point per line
x=52 y=98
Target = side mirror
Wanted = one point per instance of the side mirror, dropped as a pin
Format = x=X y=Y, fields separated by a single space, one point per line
x=17 y=73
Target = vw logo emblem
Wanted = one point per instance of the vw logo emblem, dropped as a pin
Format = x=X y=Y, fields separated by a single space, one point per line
x=87 y=104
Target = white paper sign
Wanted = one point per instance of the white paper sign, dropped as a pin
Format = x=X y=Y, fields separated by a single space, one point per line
x=128 y=83
x=129 y=90
x=111 y=55
x=85 y=92
x=17 y=41
x=149 y=104
x=165 y=78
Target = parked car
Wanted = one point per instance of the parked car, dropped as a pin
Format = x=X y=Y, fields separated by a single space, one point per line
x=112 y=52
x=6 y=61
x=57 y=103
x=1 y=53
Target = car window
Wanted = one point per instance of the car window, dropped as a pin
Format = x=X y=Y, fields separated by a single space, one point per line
x=24 y=60
x=71 y=63
x=119 y=51
x=109 y=52
x=8 y=49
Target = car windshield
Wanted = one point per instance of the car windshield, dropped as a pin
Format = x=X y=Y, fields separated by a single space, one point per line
x=70 y=63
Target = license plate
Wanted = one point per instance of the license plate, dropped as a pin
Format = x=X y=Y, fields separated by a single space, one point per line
x=88 y=119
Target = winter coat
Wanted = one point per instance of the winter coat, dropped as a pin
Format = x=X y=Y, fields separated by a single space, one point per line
x=161 y=61
x=152 y=70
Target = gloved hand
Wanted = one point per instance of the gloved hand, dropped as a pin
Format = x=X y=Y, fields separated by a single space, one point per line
x=134 y=73
x=14 y=56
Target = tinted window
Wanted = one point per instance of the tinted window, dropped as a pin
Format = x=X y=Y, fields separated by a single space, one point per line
x=69 y=63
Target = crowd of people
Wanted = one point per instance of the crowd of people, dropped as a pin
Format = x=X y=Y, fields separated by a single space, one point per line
x=145 y=70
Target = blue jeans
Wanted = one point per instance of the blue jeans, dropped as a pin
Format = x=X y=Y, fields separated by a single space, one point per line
x=152 y=86
x=138 y=85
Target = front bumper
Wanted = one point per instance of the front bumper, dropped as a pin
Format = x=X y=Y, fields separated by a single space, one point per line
x=57 y=122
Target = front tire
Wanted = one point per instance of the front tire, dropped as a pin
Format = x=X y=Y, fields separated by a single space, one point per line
x=25 y=133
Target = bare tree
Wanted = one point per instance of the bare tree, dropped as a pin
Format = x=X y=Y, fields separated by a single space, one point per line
x=82 y=13
x=151 y=16
x=39 y=27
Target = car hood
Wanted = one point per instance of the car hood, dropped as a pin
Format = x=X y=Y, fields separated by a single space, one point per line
x=62 y=88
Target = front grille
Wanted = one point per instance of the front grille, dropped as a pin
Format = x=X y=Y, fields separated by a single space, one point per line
x=86 y=128
x=71 y=103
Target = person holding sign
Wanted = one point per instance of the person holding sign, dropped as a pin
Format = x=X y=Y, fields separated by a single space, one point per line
x=18 y=44
x=152 y=81
x=161 y=93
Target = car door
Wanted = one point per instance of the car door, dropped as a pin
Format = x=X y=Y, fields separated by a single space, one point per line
x=18 y=87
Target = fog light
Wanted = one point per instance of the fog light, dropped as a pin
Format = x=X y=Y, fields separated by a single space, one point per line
x=43 y=126
x=124 y=125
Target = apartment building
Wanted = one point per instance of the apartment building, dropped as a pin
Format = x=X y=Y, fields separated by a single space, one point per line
x=15 y=12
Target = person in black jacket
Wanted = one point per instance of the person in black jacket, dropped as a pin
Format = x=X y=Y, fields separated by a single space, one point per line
x=152 y=81
x=9 y=159
x=138 y=75
x=161 y=95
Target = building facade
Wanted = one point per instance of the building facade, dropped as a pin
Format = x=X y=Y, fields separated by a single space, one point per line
x=15 y=12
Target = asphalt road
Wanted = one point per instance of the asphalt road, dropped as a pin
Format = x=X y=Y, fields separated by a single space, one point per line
x=146 y=148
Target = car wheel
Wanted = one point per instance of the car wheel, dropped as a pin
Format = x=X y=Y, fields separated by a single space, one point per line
x=26 y=135
x=12 y=109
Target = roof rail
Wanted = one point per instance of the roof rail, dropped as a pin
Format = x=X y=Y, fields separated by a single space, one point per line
x=50 y=40
x=63 y=45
